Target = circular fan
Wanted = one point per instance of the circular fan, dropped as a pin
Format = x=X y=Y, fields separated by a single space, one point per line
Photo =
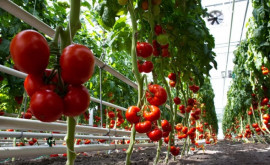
x=215 y=17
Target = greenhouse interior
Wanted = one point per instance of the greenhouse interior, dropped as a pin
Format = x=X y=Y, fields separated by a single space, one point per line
x=134 y=82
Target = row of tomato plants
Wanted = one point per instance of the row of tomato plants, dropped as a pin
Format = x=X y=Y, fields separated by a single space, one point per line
x=246 y=115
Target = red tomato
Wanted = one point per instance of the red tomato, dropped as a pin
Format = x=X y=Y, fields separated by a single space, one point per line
x=26 y=115
x=31 y=143
x=249 y=113
x=174 y=151
x=102 y=140
x=158 y=30
x=265 y=101
x=111 y=114
x=33 y=83
x=30 y=52
x=165 y=53
x=172 y=76
x=158 y=95
x=1 y=78
x=151 y=113
x=177 y=100
x=181 y=107
x=156 y=52
x=165 y=134
x=140 y=68
x=76 y=100
x=255 y=125
x=266 y=116
x=166 y=126
x=178 y=127
x=54 y=155
x=131 y=114
x=155 y=135
x=172 y=83
x=147 y=66
x=77 y=63
x=34 y=140
x=166 y=139
x=47 y=106
x=265 y=121
x=184 y=130
x=145 y=5
x=144 y=49
x=143 y=127
x=87 y=141
x=2 y=112
x=19 y=99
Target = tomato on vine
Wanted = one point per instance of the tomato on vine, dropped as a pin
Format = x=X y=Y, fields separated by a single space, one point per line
x=76 y=101
x=143 y=127
x=77 y=64
x=177 y=100
x=147 y=66
x=47 y=106
x=172 y=76
x=166 y=126
x=155 y=135
x=131 y=114
x=30 y=52
x=144 y=49
x=151 y=113
x=156 y=95
x=145 y=5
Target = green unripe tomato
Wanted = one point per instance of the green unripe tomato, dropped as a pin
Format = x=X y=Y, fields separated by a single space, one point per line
x=163 y=39
x=122 y=2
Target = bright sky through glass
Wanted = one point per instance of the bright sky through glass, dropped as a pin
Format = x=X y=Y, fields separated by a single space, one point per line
x=221 y=34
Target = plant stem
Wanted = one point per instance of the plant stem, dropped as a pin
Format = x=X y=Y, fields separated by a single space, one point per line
x=159 y=145
x=70 y=141
x=137 y=74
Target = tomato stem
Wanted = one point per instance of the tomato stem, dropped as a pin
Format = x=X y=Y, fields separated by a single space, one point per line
x=137 y=74
x=70 y=140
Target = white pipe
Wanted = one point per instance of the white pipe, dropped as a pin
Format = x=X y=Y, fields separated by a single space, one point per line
x=11 y=71
x=108 y=104
x=35 y=125
x=47 y=135
x=6 y=152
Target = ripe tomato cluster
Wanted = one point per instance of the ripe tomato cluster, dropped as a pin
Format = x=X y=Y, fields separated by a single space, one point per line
x=120 y=119
x=145 y=119
x=150 y=114
x=265 y=70
x=58 y=91
x=194 y=88
x=156 y=95
x=144 y=50
x=172 y=78
x=161 y=44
